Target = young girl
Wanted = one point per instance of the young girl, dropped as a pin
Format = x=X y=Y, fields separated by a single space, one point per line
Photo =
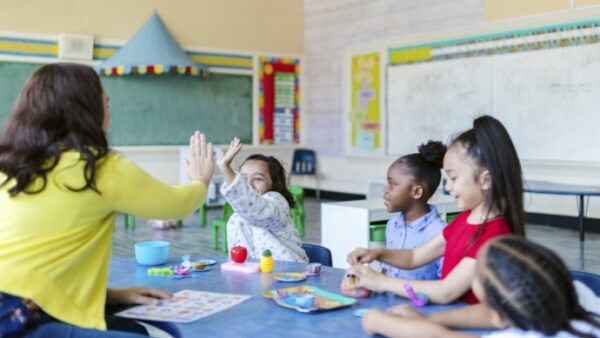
x=524 y=288
x=261 y=204
x=60 y=189
x=411 y=181
x=484 y=177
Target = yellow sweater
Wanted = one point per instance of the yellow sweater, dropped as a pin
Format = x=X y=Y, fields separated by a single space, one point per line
x=55 y=246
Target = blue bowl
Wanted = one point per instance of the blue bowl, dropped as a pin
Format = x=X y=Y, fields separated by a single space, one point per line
x=152 y=252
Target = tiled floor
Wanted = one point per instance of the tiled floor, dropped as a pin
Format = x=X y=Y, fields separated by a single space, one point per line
x=193 y=239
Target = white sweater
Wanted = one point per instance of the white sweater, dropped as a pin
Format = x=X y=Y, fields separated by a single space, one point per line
x=261 y=222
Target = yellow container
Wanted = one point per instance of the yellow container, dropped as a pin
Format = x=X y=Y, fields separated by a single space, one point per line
x=266 y=262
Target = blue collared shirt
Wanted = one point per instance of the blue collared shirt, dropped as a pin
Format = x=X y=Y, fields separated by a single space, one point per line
x=400 y=235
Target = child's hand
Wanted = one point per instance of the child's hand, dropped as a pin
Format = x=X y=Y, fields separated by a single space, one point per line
x=136 y=295
x=406 y=311
x=200 y=166
x=370 y=321
x=367 y=278
x=361 y=255
x=224 y=160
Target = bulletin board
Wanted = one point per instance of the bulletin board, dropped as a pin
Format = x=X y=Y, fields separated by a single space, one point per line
x=279 y=100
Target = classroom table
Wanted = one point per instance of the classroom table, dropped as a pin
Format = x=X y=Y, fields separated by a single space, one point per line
x=345 y=225
x=259 y=316
x=580 y=191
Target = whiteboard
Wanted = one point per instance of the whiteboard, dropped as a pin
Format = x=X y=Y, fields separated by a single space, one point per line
x=549 y=101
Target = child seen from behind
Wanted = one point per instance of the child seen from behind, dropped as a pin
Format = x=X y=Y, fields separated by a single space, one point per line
x=525 y=289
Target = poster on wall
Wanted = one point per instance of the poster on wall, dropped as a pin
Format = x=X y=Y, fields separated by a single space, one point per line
x=279 y=100
x=365 y=115
x=283 y=121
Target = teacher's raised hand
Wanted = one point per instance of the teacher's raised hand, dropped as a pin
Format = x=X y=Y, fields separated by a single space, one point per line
x=200 y=165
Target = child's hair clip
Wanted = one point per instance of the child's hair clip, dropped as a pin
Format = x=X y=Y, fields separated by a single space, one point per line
x=418 y=299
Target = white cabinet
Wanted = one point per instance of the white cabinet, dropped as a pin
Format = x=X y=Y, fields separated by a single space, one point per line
x=345 y=225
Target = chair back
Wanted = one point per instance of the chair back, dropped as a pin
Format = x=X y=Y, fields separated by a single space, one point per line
x=304 y=162
x=227 y=211
x=169 y=328
x=318 y=254
x=589 y=279
x=298 y=194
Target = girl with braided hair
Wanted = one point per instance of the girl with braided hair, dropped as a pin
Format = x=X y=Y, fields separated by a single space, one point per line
x=525 y=289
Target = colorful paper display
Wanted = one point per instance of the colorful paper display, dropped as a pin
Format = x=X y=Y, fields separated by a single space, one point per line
x=365 y=115
x=279 y=100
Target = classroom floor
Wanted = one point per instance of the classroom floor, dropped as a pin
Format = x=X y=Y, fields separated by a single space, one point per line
x=198 y=240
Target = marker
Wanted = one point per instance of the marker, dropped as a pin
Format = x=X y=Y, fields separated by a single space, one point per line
x=417 y=298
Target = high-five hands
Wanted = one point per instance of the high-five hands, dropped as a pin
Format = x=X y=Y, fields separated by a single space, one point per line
x=200 y=165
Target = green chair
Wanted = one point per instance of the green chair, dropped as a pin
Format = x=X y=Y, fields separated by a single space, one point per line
x=202 y=215
x=297 y=212
x=377 y=232
x=298 y=193
x=220 y=225
x=129 y=221
x=451 y=216
x=298 y=220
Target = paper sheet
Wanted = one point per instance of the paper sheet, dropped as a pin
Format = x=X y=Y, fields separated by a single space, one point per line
x=185 y=306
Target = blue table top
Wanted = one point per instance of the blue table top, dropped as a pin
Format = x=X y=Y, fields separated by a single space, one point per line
x=259 y=316
x=543 y=187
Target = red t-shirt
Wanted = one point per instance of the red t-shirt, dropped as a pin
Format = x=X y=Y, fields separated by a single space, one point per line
x=458 y=236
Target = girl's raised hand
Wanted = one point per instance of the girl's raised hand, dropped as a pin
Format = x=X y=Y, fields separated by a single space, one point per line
x=200 y=165
x=224 y=160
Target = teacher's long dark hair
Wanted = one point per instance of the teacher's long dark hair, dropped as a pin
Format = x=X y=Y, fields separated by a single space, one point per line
x=60 y=108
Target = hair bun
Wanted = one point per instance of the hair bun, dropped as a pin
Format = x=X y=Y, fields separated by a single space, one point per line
x=433 y=152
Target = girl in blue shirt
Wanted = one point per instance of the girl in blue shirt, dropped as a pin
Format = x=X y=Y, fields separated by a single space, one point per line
x=411 y=181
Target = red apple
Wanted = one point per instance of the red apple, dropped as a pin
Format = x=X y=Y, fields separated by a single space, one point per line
x=238 y=254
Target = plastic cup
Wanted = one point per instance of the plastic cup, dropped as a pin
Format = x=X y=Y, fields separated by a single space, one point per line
x=313 y=269
x=152 y=252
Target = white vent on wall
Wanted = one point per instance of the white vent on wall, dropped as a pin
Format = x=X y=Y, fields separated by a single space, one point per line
x=75 y=46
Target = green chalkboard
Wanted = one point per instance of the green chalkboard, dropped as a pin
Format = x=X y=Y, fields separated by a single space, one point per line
x=12 y=79
x=160 y=109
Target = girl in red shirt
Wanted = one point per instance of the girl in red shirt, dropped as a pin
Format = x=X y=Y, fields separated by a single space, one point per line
x=484 y=177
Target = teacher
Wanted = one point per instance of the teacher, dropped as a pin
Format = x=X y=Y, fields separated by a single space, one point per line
x=60 y=189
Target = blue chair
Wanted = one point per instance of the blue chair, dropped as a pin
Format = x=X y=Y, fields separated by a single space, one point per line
x=169 y=328
x=318 y=254
x=304 y=162
x=589 y=279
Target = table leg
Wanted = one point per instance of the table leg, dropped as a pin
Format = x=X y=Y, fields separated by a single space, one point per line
x=581 y=231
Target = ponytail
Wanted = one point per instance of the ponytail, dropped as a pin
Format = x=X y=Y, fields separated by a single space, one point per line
x=491 y=148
